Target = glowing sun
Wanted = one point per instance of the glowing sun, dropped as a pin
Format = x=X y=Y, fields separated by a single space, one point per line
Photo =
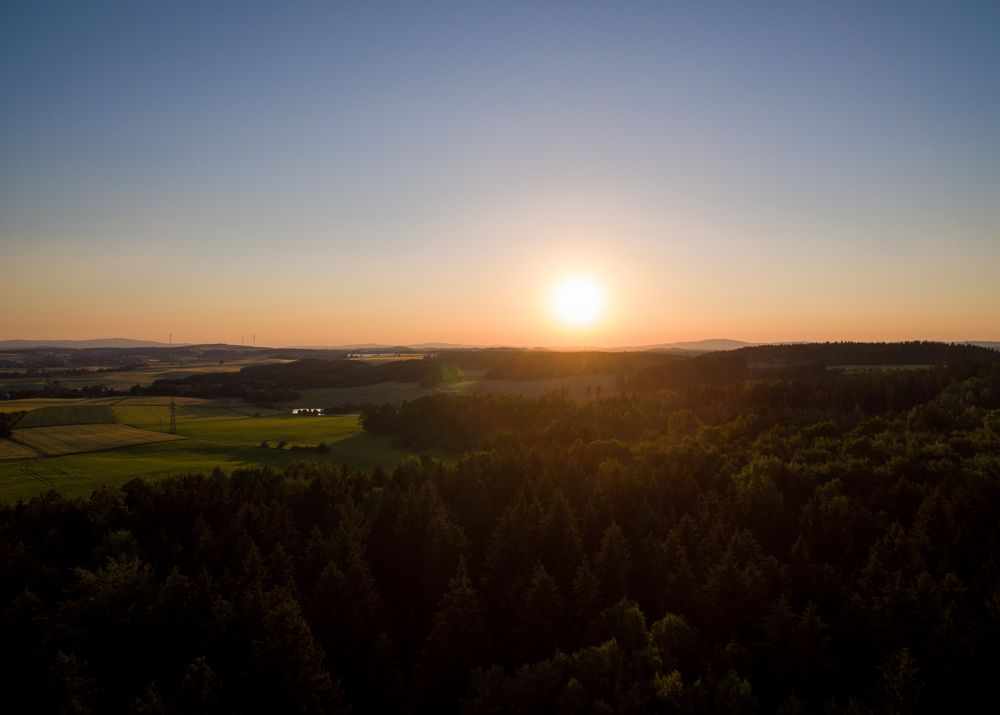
x=578 y=302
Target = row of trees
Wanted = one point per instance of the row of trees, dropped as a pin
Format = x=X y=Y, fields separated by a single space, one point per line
x=7 y=420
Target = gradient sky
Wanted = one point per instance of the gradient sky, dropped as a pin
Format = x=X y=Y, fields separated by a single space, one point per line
x=329 y=173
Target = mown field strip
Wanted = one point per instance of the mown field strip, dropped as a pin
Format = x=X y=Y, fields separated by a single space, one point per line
x=67 y=415
x=152 y=416
x=160 y=400
x=15 y=450
x=69 y=439
x=251 y=431
x=27 y=405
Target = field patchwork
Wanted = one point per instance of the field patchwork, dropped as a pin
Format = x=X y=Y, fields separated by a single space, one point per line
x=213 y=434
x=69 y=439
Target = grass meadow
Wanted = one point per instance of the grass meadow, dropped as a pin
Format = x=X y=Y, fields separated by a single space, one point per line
x=209 y=434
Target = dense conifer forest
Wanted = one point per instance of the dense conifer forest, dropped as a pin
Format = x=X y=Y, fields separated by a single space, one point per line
x=740 y=533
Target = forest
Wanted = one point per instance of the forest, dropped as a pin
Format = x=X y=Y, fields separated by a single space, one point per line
x=757 y=533
x=634 y=371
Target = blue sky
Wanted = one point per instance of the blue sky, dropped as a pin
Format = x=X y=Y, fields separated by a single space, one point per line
x=346 y=172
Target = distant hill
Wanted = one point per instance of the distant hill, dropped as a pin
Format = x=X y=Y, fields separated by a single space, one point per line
x=703 y=346
x=393 y=348
x=84 y=344
x=711 y=345
x=798 y=360
x=991 y=344
x=693 y=346
x=357 y=346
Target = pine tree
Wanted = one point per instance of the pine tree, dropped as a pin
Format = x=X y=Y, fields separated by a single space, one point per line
x=286 y=668
x=586 y=591
x=613 y=565
x=455 y=646
x=542 y=619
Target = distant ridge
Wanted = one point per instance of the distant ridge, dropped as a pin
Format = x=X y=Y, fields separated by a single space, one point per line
x=389 y=348
x=991 y=344
x=711 y=345
x=703 y=346
x=83 y=344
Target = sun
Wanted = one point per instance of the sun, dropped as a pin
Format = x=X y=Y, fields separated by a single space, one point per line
x=578 y=301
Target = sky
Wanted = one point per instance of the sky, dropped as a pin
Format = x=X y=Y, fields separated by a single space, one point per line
x=323 y=173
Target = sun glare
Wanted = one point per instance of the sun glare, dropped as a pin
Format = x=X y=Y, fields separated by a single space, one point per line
x=578 y=302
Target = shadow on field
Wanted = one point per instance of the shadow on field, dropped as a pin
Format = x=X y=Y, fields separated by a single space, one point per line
x=360 y=451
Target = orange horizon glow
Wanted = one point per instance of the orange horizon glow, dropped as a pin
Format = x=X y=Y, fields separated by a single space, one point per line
x=325 y=176
x=509 y=303
x=529 y=323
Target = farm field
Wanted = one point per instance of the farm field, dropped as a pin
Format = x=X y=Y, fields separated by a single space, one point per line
x=208 y=436
x=69 y=439
x=51 y=416
x=14 y=450
x=224 y=405
x=143 y=376
x=142 y=412
x=36 y=402
x=235 y=430
x=379 y=393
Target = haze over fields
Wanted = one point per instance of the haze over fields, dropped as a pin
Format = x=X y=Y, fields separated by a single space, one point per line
x=500 y=174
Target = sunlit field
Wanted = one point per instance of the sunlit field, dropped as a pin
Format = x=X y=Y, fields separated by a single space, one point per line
x=86 y=437
x=208 y=436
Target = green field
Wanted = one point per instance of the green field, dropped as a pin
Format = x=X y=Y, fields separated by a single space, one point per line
x=139 y=413
x=215 y=436
x=303 y=431
x=67 y=415
x=70 y=439
x=377 y=394
x=35 y=403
